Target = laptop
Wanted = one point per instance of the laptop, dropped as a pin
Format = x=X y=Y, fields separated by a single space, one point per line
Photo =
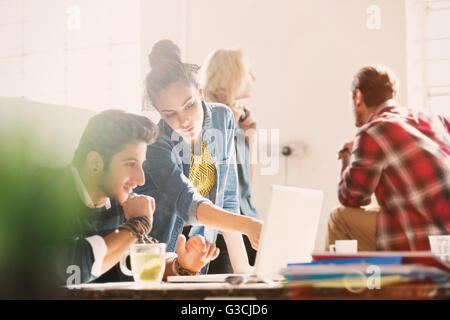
x=287 y=236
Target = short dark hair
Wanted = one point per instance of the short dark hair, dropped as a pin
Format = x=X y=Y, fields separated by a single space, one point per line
x=167 y=68
x=377 y=84
x=110 y=131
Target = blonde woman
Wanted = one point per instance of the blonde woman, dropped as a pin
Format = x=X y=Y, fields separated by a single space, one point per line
x=226 y=77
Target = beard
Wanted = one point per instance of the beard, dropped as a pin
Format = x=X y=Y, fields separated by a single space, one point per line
x=113 y=192
x=103 y=186
x=359 y=119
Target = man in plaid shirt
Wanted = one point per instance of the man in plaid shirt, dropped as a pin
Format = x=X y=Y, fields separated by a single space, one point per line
x=401 y=156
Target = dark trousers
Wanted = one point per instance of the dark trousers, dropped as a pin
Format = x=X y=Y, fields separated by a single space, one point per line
x=222 y=263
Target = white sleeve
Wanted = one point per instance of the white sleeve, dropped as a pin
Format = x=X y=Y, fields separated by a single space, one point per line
x=99 y=249
x=237 y=252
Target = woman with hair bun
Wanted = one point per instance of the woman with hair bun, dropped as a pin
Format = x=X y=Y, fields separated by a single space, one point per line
x=191 y=168
x=226 y=77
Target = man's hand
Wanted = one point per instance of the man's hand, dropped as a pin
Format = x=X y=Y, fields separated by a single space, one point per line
x=194 y=254
x=344 y=155
x=139 y=205
x=347 y=146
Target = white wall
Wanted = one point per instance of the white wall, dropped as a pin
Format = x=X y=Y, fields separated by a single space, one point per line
x=160 y=20
x=303 y=54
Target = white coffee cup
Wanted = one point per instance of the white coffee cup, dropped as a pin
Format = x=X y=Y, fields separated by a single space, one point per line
x=344 y=246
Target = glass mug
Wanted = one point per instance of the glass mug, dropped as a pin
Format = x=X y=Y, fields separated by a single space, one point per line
x=148 y=262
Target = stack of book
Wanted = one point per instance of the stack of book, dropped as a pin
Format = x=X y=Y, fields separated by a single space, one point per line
x=368 y=269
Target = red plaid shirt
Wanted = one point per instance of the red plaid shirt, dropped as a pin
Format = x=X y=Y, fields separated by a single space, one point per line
x=405 y=159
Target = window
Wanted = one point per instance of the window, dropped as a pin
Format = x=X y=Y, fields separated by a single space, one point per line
x=428 y=43
x=78 y=53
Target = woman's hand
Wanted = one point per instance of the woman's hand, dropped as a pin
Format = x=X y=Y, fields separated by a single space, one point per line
x=194 y=254
x=238 y=111
x=253 y=229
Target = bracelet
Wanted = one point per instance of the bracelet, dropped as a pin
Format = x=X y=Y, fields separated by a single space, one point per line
x=346 y=149
x=138 y=226
x=178 y=270
x=131 y=231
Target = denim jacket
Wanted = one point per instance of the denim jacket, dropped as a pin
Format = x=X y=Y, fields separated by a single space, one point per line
x=167 y=176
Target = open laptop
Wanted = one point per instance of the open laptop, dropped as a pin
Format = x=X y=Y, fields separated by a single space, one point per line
x=288 y=235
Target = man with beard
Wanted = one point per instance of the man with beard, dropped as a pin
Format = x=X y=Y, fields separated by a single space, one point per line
x=404 y=158
x=105 y=217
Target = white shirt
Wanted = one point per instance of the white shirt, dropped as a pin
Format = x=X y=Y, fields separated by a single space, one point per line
x=97 y=242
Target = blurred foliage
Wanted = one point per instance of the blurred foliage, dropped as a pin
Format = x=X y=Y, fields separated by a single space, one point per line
x=33 y=223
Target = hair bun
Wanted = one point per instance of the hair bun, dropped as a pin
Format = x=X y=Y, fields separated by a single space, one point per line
x=164 y=52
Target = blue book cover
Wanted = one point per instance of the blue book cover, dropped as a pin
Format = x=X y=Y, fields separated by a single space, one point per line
x=367 y=260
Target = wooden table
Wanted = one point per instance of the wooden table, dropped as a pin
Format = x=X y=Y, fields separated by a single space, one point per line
x=260 y=291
